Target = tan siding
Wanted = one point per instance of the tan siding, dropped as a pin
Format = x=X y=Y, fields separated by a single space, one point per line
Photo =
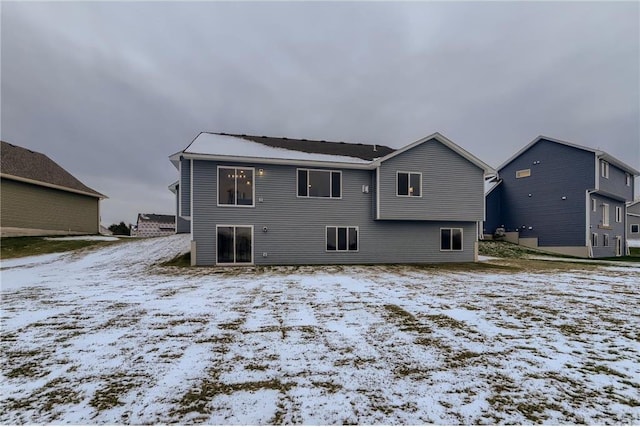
x=31 y=206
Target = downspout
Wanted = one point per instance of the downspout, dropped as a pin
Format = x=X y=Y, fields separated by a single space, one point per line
x=588 y=222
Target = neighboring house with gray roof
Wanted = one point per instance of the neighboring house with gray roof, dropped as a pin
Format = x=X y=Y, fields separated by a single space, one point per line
x=262 y=200
x=154 y=225
x=40 y=198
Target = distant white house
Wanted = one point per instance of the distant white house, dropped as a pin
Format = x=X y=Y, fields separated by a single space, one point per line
x=154 y=225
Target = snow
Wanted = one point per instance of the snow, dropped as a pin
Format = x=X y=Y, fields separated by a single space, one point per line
x=108 y=336
x=89 y=238
x=225 y=145
x=634 y=243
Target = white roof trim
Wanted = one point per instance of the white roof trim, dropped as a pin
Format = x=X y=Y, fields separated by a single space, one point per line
x=271 y=161
x=446 y=142
x=598 y=153
x=493 y=187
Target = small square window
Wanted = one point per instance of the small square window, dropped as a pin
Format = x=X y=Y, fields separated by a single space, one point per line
x=451 y=239
x=409 y=184
x=635 y=228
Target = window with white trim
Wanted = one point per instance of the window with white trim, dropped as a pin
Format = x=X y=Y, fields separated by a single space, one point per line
x=319 y=183
x=605 y=215
x=628 y=179
x=342 y=239
x=594 y=205
x=605 y=240
x=594 y=239
x=235 y=186
x=451 y=239
x=234 y=244
x=635 y=228
x=604 y=169
x=409 y=184
x=618 y=214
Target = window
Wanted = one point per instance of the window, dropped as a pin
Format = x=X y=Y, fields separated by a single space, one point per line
x=594 y=205
x=523 y=173
x=635 y=228
x=451 y=239
x=605 y=215
x=234 y=244
x=342 y=239
x=409 y=184
x=594 y=239
x=618 y=214
x=235 y=186
x=604 y=169
x=605 y=240
x=629 y=179
x=319 y=183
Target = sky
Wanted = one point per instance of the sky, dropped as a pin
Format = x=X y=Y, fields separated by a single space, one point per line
x=109 y=90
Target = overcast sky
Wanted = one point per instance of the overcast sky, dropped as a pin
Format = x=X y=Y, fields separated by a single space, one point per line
x=110 y=90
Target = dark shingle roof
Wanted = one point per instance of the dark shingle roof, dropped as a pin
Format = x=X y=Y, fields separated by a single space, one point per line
x=23 y=163
x=361 y=151
x=167 y=219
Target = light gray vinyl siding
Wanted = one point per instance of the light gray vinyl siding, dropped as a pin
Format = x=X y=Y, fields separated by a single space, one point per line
x=616 y=183
x=452 y=187
x=633 y=217
x=614 y=229
x=182 y=225
x=185 y=187
x=296 y=227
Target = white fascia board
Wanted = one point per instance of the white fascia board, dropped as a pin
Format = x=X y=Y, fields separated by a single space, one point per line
x=598 y=153
x=289 y=162
x=612 y=160
x=446 y=142
x=538 y=139
x=175 y=159
x=610 y=195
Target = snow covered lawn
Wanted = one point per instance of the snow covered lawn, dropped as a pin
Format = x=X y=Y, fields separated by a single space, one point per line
x=106 y=335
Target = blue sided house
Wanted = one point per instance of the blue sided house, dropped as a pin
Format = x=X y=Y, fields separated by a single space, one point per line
x=562 y=197
x=258 y=200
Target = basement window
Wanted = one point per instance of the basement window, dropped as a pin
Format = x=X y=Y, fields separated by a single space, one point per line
x=342 y=239
x=451 y=239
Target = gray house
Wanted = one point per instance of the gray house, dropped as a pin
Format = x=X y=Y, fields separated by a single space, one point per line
x=633 y=221
x=260 y=200
x=563 y=198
